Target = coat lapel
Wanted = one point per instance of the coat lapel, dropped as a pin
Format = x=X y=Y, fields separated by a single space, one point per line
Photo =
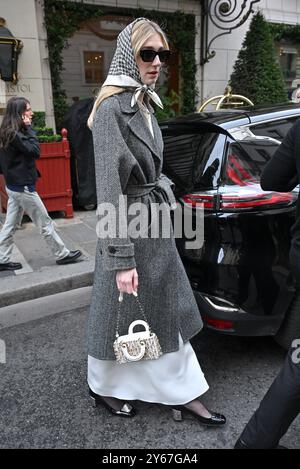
x=139 y=128
x=157 y=135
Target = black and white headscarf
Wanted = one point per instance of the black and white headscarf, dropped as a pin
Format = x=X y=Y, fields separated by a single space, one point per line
x=124 y=71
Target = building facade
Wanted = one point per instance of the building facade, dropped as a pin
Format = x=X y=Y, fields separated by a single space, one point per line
x=25 y=20
x=89 y=50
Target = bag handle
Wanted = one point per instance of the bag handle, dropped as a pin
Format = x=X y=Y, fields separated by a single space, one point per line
x=134 y=358
x=136 y=323
x=119 y=311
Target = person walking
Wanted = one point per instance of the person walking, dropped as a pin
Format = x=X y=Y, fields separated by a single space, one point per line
x=19 y=149
x=281 y=404
x=128 y=150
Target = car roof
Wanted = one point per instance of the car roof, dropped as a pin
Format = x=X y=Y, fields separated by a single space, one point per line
x=229 y=118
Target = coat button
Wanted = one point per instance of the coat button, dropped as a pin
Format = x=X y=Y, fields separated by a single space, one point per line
x=112 y=249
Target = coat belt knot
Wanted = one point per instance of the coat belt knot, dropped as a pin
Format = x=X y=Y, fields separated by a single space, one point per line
x=161 y=186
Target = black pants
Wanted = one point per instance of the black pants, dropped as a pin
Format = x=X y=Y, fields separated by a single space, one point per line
x=279 y=407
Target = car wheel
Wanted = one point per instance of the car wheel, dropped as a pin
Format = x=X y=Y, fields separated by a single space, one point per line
x=290 y=328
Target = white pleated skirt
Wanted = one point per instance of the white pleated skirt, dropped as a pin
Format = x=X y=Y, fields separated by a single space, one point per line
x=173 y=379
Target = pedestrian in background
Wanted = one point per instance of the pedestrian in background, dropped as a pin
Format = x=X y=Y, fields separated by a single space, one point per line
x=19 y=150
x=281 y=404
x=128 y=157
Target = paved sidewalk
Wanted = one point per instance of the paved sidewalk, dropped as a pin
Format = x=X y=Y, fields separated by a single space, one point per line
x=41 y=276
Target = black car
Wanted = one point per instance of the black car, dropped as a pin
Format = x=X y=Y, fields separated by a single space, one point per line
x=240 y=275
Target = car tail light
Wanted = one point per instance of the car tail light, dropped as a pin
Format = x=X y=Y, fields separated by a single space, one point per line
x=218 y=323
x=205 y=200
x=245 y=199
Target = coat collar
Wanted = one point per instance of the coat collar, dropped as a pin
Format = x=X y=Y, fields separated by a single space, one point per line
x=138 y=128
x=125 y=103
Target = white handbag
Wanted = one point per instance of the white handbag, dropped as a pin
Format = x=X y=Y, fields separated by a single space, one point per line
x=136 y=346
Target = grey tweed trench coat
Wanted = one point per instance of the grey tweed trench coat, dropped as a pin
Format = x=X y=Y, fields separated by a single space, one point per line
x=127 y=155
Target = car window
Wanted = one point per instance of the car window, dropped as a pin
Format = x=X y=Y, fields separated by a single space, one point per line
x=276 y=129
x=246 y=161
x=193 y=160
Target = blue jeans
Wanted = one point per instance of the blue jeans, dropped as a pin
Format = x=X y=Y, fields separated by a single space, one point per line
x=31 y=203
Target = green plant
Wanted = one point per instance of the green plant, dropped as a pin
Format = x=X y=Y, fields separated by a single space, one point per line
x=281 y=31
x=168 y=100
x=44 y=134
x=63 y=18
x=39 y=119
x=256 y=73
x=286 y=32
x=49 y=138
x=181 y=29
x=43 y=131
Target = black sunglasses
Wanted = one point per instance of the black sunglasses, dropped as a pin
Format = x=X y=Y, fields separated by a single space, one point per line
x=148 y=55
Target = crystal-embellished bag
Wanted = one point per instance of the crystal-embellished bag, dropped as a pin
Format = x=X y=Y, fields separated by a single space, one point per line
x=136 y=346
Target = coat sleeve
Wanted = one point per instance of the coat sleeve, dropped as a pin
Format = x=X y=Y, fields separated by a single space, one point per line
x=280 y=174
x=27 y=143
x=113 y=165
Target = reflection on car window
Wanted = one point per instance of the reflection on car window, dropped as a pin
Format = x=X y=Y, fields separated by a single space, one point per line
x=193 y=159
x=276 y=129
x=246 y=161
x=207 y=170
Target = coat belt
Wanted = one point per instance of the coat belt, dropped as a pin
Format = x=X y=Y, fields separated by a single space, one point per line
x=161 y=186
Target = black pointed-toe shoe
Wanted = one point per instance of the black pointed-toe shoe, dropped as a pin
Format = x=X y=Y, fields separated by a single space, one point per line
x=126 y=411
x=213 y=421
x=11 y=266
x=70 y=258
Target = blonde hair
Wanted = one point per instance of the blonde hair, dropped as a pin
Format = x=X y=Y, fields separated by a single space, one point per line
x=141 y=32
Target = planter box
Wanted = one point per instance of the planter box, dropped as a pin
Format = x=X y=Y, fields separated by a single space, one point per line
x=54 y=186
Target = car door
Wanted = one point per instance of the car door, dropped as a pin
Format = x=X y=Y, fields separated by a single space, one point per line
x=255 y=227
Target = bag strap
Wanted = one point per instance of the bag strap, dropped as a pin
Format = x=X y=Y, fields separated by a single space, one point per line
x=119 y=310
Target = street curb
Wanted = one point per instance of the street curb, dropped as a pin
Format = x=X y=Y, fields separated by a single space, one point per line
x=63 y=281
x=44 y=307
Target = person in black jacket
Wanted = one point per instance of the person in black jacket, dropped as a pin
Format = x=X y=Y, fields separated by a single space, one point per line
x=281 y=404
x=19 y=149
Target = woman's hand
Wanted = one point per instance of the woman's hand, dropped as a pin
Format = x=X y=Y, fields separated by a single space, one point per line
x=127 y=281
x=26 y=120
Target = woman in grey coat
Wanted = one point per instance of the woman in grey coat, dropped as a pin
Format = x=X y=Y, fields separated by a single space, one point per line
x=128 y=157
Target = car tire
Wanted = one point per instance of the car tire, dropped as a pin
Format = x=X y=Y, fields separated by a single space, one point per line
x=290 y=328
